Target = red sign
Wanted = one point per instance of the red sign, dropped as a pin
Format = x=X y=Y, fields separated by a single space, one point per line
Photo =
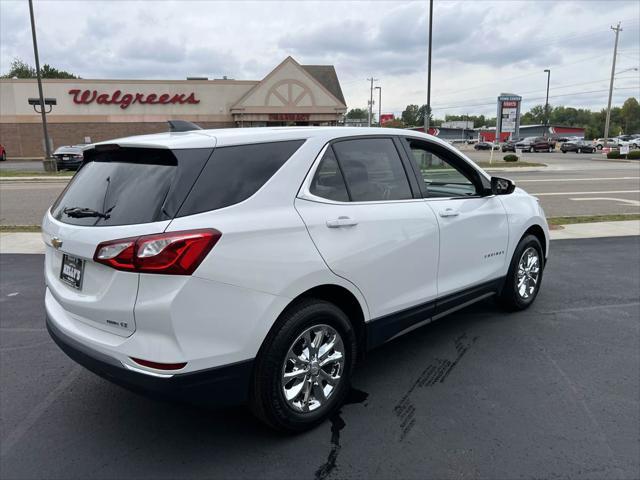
x=386 y=117
x=289 y=117
x=510 y=104
x=86 y=97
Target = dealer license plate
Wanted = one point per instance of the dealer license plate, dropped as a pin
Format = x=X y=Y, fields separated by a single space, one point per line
x=71 y=271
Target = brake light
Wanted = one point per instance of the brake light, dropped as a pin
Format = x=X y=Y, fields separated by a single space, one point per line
x=173 y=253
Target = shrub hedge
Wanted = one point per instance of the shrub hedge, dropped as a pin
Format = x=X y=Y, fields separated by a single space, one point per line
x=511 y=158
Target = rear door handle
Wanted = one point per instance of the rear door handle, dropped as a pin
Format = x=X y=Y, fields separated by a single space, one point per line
x=341 y=221
x=449 y=212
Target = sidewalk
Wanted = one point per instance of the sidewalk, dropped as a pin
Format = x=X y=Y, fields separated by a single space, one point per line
x=599 y=229
x=29 y=242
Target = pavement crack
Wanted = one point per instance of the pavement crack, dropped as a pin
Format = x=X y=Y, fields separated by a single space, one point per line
x=337 y=424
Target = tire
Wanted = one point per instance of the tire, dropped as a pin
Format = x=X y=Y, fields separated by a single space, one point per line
x=599 y=147
x=563 y=151
x=267 y=397
x=512 y=297
x=579 y=150
x=550 y=149
x=531 y=150
x=4 y=157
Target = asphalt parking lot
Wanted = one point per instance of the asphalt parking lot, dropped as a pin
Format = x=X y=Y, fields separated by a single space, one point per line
x=553 y=392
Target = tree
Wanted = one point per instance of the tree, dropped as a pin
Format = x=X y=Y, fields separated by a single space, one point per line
x=21 y=69
x=630 y=114
x=358 y=113
x=410 y=115
x=534 y=116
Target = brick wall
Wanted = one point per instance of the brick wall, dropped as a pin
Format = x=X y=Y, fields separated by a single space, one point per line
x=27 y=140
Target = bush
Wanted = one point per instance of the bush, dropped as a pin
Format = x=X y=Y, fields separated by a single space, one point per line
x=614 y=154
x=511 y=158
x=634 y=155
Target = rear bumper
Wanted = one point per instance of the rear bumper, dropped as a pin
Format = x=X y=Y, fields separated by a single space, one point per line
x=224 y=385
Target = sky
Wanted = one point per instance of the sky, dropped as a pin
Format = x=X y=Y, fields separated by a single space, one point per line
x=480 y=48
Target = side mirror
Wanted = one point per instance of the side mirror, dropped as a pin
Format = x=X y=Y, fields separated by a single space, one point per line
x=502 y=186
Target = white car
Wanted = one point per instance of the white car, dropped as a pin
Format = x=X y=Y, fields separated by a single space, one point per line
x=615 y=142
x=259 y=264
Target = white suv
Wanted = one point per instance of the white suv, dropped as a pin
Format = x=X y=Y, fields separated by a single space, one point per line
x=259 y=264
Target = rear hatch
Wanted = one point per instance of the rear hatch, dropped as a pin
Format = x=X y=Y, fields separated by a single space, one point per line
x=117 y=193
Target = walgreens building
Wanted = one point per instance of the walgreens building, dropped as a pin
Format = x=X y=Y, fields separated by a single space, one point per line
x=96 y=110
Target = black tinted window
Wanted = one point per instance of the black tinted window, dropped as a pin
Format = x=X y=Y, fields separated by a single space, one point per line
x=126 y=186
x=233 y=174
x=372 y=169
x=328 y=181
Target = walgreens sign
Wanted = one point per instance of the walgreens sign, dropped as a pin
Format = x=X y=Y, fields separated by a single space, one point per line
x=124 y=99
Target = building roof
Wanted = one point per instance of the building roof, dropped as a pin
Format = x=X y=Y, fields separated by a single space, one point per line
x=327 y=76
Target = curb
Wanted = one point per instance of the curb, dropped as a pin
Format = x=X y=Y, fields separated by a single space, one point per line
x=35 y=179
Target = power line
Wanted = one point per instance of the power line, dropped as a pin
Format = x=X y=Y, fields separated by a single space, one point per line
x=531 y=99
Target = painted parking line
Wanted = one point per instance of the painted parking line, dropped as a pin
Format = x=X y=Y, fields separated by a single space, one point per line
x=623 y=201
x=583 y=193
x=590 y=179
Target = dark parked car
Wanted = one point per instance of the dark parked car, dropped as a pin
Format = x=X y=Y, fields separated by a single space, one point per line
x=578 y=146
x=536 y=144
x=485 y=146
x=69 y=157
x=510 y=145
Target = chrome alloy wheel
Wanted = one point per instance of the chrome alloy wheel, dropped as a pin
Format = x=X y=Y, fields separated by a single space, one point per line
x=528 y=273
x=313 y=368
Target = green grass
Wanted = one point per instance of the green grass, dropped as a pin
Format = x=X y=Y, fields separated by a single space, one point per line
x=503 y=164
x=593 y=218
x=14 y=173
x=19 y=228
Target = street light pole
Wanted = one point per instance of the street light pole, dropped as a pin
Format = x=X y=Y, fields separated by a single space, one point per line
x=47 y=146
x=379 y=105
x=546 y=105
x=371 y=100
x=428 y=112
x=616 y=29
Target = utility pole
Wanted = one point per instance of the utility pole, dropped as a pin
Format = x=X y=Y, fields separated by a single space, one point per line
x=428 y=112
x=546 y=105
x=371 y=100
x=379 y=105
x=616 y=29
x=47 y=146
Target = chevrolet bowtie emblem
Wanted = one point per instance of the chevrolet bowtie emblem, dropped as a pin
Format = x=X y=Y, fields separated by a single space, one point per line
x=56 y=242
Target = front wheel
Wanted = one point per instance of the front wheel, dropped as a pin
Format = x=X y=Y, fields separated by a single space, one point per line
x=525 y=275
x=599 y=147
x=303 y=370
x=4 y=156
x=579 y=150
x=530 y=149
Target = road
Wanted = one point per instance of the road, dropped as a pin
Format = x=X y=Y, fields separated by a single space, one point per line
x=572 y=184
x=552 y=392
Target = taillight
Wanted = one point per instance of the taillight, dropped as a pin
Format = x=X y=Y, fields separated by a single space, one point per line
x=174 y=253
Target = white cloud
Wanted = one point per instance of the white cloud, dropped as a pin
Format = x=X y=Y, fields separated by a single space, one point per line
x=480 y=48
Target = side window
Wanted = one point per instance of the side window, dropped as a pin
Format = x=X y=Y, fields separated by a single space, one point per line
x=328 y=181
x=373 y=170
x=441 y=178
x=233 y=174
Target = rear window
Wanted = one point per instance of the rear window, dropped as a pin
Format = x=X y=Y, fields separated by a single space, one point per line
x=233 y=174
x=124 y=186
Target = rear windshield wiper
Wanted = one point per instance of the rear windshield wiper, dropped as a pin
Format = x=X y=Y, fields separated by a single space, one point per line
x=79 y=212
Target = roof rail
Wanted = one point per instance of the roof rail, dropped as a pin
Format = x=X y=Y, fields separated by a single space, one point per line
x=182 y=126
